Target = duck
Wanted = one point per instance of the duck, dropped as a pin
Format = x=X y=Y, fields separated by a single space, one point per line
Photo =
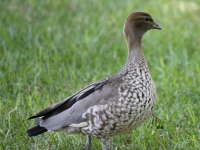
x=112 y=106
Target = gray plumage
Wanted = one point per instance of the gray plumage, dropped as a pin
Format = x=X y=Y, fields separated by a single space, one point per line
x=112 y=106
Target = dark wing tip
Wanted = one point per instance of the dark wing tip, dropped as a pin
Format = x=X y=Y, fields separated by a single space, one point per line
x=32 y=117
x=36 y=131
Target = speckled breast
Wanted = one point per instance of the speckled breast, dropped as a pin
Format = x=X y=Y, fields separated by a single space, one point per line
x=138 y=96
x=135 y=104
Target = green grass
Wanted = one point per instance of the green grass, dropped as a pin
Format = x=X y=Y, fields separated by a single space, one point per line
x=51 y=49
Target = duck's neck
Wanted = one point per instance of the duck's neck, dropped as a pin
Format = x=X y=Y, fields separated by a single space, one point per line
x=135 y=53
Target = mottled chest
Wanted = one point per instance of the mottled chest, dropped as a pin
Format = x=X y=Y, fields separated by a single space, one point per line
x=133 y=105
x=138 y=86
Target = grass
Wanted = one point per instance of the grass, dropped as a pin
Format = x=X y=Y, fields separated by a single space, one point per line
x=51 y=49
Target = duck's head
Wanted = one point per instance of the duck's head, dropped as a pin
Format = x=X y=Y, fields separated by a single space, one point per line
x=137 y=23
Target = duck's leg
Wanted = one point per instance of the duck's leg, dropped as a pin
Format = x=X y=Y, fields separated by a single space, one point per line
x=105 y=147
x=88 y=143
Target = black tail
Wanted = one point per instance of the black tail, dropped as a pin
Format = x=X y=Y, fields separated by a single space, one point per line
x=36 y=131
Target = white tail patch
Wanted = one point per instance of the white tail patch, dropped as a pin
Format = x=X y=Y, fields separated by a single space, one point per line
x=80 y=125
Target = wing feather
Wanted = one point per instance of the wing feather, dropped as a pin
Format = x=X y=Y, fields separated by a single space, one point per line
x=68 y=102
x=70 y=110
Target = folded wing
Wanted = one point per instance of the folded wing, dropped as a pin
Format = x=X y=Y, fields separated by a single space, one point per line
x=71 y=109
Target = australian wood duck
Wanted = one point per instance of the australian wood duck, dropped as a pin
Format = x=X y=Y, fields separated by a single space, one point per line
x=112 y=106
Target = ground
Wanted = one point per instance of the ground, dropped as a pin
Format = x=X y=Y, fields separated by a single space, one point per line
x=51 y=49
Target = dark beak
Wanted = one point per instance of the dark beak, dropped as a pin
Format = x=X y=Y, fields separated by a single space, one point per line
x=156 y=26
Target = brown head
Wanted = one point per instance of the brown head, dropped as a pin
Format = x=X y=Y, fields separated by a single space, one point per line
x=137 y=24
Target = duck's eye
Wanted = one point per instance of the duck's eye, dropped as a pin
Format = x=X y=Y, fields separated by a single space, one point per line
x=147 y=19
